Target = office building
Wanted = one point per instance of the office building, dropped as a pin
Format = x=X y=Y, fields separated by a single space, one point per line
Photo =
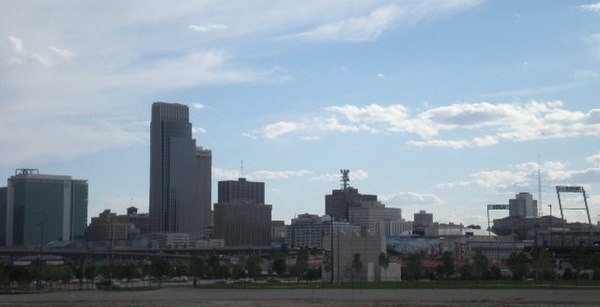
x=110 y=226
x=204 y=162
x=423 y=219
x=345 y=247
x=375 y=219
x=178 y=173
x=240 y=216
x=241 y=191
x=338 y=203
x=44 y=208
x=3 y=216
x=278 y=231
x=243 y=224
x=308 y=230
x=523 y=205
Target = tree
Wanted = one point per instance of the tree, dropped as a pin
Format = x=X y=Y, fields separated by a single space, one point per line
x=213 y=266
x=447 y=264
x=472 y=226
x=466 y=272
x=253 y=266
x=52 y=274
x=224 y=271
x=543 y=265
x=354 y=270
x=480 y=265
x=237 y=271
x=301 y=263
x=517 y=262
x=279 y=266
x=495 y=273
x=198 y=268
x=384 y=262
x=159 y=267
x=578 y=260
x=414 y=266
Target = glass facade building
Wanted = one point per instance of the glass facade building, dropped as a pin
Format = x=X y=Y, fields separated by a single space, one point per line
x=45 y=208
x=175 y=165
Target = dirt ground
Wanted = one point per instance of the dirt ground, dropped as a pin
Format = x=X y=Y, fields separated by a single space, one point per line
x=304 y=297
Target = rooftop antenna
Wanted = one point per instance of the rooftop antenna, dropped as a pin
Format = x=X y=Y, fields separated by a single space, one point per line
x=540 y=207
x=345 y=178
x=242 y=169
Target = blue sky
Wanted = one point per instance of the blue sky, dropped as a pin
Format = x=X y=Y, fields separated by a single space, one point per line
x=441 y=106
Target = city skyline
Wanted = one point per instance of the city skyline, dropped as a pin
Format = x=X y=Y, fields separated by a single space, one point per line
x=443 y=106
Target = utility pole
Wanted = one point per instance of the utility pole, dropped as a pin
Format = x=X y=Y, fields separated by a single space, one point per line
x=39 y=275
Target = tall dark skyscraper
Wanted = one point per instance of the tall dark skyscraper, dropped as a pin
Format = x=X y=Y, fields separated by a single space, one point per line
x=204 y=159
x=178 y=176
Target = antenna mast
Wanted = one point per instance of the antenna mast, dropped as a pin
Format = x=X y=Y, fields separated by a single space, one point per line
x=242 y=168
x=345 y=178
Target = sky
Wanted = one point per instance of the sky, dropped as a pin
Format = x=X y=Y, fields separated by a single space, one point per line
x=443 y=106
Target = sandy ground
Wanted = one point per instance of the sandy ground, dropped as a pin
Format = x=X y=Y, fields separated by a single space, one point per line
x=304 y=297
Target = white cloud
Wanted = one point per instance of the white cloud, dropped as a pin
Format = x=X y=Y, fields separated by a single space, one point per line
x=63 y=53
x=591 y=7
x=223 y=174
x=42 y=59
x=275 y=130
x=198 y=130
x=586 y=74
x=491 y=123
x=525 y=175
x=198 y=106
x=274 y=175
x=357 y=29
x=62 y=140
x=358 y=174
x=369 y=27
x=311 y=138
x=17 y=45
x=594 y=159
x=208 y=27
x=380 y=76
x=412 y=198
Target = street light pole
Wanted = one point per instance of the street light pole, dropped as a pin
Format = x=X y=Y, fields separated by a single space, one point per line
x=39 y=282
x=331 y=245
x=550 y=225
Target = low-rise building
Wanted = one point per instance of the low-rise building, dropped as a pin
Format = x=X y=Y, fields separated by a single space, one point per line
x=308 y=230
x=110 y=226
x=345 y=249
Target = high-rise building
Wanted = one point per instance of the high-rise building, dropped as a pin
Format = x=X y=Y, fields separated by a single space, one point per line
x=177 y=173
x=523 y=205
x=2 y=216
x=240 y=216
x=337 y=203
x=44 y=208
x=241 y=191
x=204 y=162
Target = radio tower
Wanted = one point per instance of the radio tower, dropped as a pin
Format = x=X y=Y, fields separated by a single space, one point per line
x=345 y=178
